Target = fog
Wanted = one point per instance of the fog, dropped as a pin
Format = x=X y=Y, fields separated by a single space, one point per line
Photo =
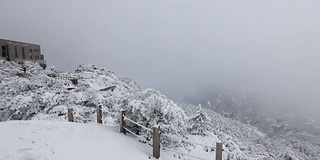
x=270 y=48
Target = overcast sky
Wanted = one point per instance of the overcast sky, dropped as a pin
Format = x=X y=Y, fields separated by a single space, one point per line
x=177 y=46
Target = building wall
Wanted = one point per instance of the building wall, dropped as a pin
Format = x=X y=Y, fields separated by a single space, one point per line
x=11 y=52
x=17 y=51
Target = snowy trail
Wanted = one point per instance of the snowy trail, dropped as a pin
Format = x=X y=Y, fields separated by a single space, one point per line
x=54 y=140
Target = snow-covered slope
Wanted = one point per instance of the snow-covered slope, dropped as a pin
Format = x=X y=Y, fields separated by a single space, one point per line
x=46 y=95
x=53 y=140
x=299 y=133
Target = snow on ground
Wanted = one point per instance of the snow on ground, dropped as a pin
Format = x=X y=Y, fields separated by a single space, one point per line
x=46 y=140
x=56 y=140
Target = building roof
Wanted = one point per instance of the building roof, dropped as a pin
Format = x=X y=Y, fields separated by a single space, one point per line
x=19 y=42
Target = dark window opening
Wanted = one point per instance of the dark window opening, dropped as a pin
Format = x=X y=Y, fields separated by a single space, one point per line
x=16 y=51
x=3 y=51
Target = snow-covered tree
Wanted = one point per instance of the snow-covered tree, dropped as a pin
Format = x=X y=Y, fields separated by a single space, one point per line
x=149 y=108
x=199 y=124
x=288 y=154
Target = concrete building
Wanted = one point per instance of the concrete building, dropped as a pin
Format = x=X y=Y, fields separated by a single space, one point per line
x=20 y=51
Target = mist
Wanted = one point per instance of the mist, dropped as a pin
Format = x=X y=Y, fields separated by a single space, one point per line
x=270 y=48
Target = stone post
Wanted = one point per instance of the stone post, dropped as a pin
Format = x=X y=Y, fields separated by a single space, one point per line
x=156 y=141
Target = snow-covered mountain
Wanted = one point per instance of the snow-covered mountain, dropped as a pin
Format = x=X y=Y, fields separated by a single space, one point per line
x=42 y=94
x=300 y=132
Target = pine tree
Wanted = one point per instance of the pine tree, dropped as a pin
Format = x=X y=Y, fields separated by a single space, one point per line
x=199 y=124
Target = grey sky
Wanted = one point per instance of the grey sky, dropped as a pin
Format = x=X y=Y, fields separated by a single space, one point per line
x=176 y=46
